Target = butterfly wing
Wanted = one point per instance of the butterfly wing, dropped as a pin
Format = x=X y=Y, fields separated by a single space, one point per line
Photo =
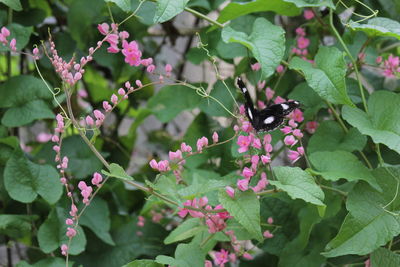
x=273 y=116
x=251 y=112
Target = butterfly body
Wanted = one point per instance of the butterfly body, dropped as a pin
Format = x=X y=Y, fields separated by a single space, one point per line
x=271 y=117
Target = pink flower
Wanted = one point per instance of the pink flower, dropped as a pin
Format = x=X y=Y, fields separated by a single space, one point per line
x=123 y=35
x=138 y=83
x=131 y=52
x=221 y=258
x=297 y=115
x=207 y=263
x=71 y=232
x=367 y=263
x=280 y=69
x=311 y=126
x=292 y=123
x=242 y=109
x=69 y=221
x=163 y=166
x=261 y=104
x=56 y=148
x=168 y=69
x=202 y=142
x=73 y=210
x=13 y=44
x=247 y=173
x=256 y=66
x=265 y=159
x=103 y=28
x=107 y=107
x=303 y=42
x=121 y=92
x=230 y=191
x=247 y=256
x=269 y=93
x=99 y=115
x=254 y=160
x=290 y=140
x=186 y=148
x=141 y=221
x=243 y=184
x=215 y=137
x=43 y=137
x=89 y=121
x=378 y=60
x=246 y=127
x=294 y=156
x=64 y=249
x=300 y=149
x=267 y=139
x=175 y=155
x=262 y=183
x=267 y=234
x=256 y=143
x=97 y=179
x=260 y=85
x=270 y=220
x=114 y=99
x=268 y=148
x=308 y=14
x=146 y=62
x=55 y=139
x=300 y=31
x=151 y=68
x=279 y=100
x=112 y=39
x=298 y=133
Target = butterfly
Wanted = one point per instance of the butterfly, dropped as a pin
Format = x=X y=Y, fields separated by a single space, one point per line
x=271 y=117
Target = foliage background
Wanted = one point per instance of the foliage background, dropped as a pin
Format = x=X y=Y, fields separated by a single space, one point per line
x=354 y=220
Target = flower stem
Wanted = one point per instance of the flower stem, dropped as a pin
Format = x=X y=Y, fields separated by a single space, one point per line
x=200 y=15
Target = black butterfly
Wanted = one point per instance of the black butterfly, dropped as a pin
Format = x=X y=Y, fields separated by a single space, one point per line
x=269 y=118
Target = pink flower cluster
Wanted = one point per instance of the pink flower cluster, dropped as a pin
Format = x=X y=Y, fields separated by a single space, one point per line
x=86 y=191
x=214 y=220
x=4 y=33
x=62 y=164
x=293 y=135
x=302 y=43
x=311 y=126
x=390 y=66
x=308 y=14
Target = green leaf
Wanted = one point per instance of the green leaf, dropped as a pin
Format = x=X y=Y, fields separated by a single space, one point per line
x=187 y=229
x=385 y=257
x=312 y=3
x=330 y=137
x=14 y=4
x=266 y=42
x=15 y=226
x=310 y=101
x=97 y=218
x=189 y=255
x=24 y=180
x=82 y=161
x=117 y=172
x=327 y=78
x=298 y=184
x=51 y=234
x=166 y=260
x=245 y=208
x=25 y=97
x=49 y=262
x=143 y=263
x=125 y=5
x=171 y=100
x=20 y=33
x=368 y=225
x=351 y=169
x=382 y=124
x=378 y=27
x=167 y=9
x=234 y=10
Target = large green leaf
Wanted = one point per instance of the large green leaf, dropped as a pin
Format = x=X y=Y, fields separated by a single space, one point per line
x=237 y=9
x=327 y=78
x=266 y=42
x=167 y=9
x=245 y=208
x=378 y=27
x=298 y=184
x=221 y=93
x=385 y=257
x=312 y=3
x=49 y=262
x=24 y=180
x=20 y=33
x=51 y=234
x=82 y=161
x=143 y=263
x=15 y=226
x=330 y=137
x=368 y=225
x=187 y=229
x=382 y=124
x=185 y=255
x=117 y=172
x=25 y=97
x=171 y=100
x=97 y=218
x=14 y=4
x=334 y=165
x=125 y=5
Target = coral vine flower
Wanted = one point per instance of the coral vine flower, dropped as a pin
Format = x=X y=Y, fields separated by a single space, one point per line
x=131 y=52
x=221 y=258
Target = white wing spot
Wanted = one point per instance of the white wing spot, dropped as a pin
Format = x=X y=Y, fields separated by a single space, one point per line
x=269 y=120
x=296 y=102
x=250 y=114
x=244 y=89
x=284 y=106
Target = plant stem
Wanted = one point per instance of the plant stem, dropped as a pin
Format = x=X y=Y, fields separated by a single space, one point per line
x=10 y=15
x=334 y=189
x=198 y=14
x=351 y=58
x=337 y=117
